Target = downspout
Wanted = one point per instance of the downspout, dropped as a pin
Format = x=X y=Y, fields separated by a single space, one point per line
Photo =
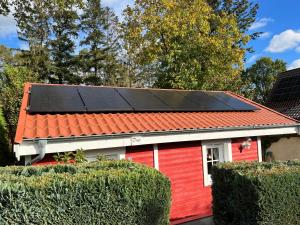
x=42 y=151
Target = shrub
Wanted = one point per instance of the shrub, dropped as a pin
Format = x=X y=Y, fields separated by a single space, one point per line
x=256 y=193
x=107 y=192
x=6 y=156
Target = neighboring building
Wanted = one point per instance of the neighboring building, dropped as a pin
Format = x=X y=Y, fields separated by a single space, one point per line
x=285 y=98
x=180 y=133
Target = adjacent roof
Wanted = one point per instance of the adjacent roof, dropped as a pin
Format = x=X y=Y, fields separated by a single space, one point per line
x=56 y=125
x=285 y=96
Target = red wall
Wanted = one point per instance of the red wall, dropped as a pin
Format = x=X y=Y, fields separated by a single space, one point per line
x=247 y=154
x=182 y=163
x=141 y=154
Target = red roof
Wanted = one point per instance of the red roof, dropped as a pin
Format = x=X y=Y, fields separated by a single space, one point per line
x=31 y=126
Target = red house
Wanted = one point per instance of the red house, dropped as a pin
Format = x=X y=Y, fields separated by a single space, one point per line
x=180 y=133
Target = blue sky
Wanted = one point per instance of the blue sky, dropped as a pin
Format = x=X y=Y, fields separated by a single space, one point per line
x=279 y=20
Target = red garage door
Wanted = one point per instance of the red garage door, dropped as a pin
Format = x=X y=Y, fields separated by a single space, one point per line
x=182 y=163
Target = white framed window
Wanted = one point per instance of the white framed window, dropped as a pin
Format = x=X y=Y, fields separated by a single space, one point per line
x=214 y=152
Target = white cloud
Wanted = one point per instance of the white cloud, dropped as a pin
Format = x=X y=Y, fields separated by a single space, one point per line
x=265 y=35
x=252 y=59
x=7 y=26
x=295 y=64
x=286 y=40
x=260 y=23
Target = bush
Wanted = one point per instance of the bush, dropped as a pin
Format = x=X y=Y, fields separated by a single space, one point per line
x=107 y=192
x=256 y=193
x=6 y=156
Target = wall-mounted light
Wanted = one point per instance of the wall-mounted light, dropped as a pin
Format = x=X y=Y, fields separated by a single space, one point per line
x=246 y=144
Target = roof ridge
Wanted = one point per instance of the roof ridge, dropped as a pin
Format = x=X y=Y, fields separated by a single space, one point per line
x=260 y=105
x=143 y=88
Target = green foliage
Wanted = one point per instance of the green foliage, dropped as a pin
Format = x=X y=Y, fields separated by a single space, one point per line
x=12 y=80
x=110 y=192
x=4 y=7
x=67 y=157
x=62 y=46
x=185 y=44
x=244 y=11
x=260 y=77
x=6 y=156
x=256 y=193
x=101 y=41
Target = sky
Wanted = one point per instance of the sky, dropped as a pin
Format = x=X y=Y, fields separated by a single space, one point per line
x=278 y=20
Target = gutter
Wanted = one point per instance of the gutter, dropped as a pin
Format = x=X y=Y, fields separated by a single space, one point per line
x=42 y=151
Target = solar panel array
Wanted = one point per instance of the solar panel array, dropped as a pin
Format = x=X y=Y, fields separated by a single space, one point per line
x=79 y=99
x=285 y=96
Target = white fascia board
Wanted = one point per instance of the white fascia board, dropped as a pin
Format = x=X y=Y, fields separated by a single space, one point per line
x=30 y=147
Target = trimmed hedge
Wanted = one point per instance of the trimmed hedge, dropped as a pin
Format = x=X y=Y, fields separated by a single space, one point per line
x=106 y=192
x=256 y=193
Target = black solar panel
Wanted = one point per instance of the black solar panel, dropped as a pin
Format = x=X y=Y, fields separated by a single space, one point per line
x=285 y=96
x=103 y=99
x=52 y=99
x=143 y=100
x=285 y=89
x=72 y=99
x=234 y=103
x=175 y=100
x=205 y=101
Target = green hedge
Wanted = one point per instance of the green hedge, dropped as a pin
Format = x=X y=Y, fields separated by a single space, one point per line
x=107 y=192
x=256 y=193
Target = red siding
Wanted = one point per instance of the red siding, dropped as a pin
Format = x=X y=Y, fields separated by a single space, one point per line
x=247 y=154
x=141 y=154
x=182 y=163
x=48 y=160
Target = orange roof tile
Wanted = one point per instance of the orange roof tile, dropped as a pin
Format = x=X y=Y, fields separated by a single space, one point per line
x=31 y=126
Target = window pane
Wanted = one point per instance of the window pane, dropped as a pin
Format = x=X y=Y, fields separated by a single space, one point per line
x=215 y=153
x=209 y=154
x=209 y=166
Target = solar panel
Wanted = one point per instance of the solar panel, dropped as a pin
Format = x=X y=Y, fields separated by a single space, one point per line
x=78 y=99
x=234 y=103
x=286 y=88
x=143 y=100
x=204 y=101
x=52 y=99
x=103 y=99
x=175 y=100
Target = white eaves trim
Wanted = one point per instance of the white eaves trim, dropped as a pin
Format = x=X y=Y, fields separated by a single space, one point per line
x=30 y=147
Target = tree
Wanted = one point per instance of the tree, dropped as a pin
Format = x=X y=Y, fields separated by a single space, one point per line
x=184 y=44
x=99 y=24
x=4 y=7
x=64 y=27
x=259 y=78
x=12 y=80
x=6 y=156
x=33 y=21
x=244 y=11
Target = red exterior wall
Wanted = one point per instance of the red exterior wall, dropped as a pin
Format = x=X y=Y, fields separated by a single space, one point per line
x=141 y=154
x=182 y=163
x=247 y=154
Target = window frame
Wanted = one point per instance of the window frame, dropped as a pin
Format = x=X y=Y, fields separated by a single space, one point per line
x=225 y=155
